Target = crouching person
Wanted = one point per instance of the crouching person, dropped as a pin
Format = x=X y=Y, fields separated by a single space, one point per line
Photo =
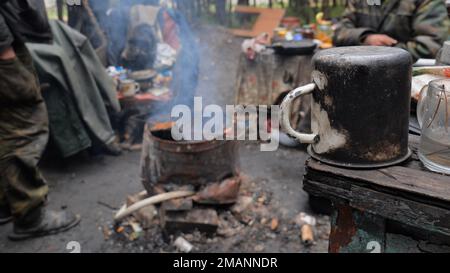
x=418 y=26
x=24 y=125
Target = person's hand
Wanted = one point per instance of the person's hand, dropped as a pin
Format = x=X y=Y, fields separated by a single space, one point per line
x=379 y=40
x=7 y=54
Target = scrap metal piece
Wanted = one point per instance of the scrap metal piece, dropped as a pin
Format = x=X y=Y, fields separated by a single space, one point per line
x=225 y=193
x=193 y=163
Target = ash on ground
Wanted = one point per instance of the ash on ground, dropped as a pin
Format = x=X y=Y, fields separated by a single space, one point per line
x=254 y=224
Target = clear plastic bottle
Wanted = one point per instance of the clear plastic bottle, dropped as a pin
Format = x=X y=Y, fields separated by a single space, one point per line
x=434 y=112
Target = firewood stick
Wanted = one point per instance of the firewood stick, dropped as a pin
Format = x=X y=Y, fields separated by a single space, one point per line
x=151 y=201
x=141 y=195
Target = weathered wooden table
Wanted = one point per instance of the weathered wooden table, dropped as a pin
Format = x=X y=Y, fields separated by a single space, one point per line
x=397 y=209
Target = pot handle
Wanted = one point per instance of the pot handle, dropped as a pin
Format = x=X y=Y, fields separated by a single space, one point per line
x=286 y=112
x=138 y=87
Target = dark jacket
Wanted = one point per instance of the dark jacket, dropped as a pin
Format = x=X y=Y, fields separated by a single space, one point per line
x=420 y=26
x=23 y=21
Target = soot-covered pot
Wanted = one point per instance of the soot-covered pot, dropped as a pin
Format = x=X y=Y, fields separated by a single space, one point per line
x=360 y=109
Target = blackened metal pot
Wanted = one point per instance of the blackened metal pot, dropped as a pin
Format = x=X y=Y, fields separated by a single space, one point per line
x=360 y=109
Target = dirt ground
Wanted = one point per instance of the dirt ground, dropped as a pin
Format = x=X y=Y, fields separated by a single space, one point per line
x=97 y=186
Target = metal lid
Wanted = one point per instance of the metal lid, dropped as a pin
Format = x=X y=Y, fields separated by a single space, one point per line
x=363 y=55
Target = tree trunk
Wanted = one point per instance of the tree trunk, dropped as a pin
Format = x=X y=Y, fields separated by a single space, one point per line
x=221 y=11
x=244 y=2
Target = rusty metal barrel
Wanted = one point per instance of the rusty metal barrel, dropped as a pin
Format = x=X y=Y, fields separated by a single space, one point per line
x=195 y=163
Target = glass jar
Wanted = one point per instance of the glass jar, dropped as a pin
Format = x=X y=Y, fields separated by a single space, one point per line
x=434 y=116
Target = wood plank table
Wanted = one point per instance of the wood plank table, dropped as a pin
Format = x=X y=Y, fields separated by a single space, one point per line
x=268 y=20
x=403 y=208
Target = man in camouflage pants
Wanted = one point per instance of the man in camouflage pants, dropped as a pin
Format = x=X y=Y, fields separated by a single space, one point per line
x=24 y=125
x=418 y=26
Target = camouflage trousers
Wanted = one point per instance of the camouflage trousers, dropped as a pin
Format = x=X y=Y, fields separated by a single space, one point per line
x=23 y=135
